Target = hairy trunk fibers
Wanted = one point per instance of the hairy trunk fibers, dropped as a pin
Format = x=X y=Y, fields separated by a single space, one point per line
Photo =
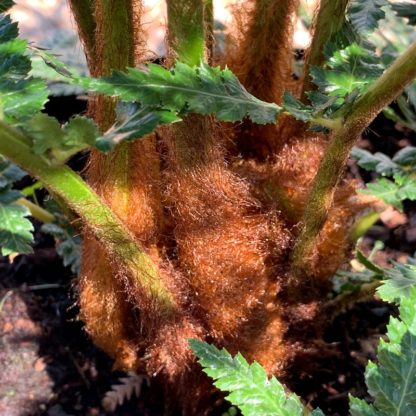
x=263 y=63
x=129 y=182
x=219 y=230
x=223 y=238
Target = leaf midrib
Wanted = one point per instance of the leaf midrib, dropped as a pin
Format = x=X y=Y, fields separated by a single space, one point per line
x=250 y=100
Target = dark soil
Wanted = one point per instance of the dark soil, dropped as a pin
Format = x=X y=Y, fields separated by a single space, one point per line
x=48 y=366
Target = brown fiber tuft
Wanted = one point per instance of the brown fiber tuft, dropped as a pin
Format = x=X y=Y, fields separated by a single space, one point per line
x=229 y=249
x=107 y=315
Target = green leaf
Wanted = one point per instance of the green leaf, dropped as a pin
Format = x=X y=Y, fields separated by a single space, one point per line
x=53 y=62
x=405 y=9
x=392 y=382
x=8 y=29
x=349 y=69
x=60 y=143
x=68 y=240
x=386 y=190
x=406 y=156
x=45 y=131
x=9 y=173
x=365 y=261
x=365 y=14
x=133 y=122
x=407 y=187
x=20 y=95
x=398 y=282
x=68 y=245
x=5 y=5
x=296 y=108
x=15 y=229
x=248 y=385
x=377 y=162
x=185 y=89
x=360 y=407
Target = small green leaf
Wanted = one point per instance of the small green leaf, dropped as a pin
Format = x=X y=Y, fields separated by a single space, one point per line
x=386 y=190
x=133 y=122
x=20 y=95
x=15 y=229
x=405 y=9
x=60 y=143
x=360 y=407
x=407 y=187
x=9 y=173
x=406 y=156
x=53 y=62
x=349 y=69
x=365 y=14
x=5 y=5
x=377 y=162
x=296 y=108
x=68 y=240
x=79 y=134
x=68 y=245
x=365 y=261
x=398 y=283
x=8 y=29
x=45 y=131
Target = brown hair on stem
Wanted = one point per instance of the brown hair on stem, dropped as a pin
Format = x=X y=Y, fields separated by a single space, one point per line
x=222 y=235
x=83 y=11
x=128 y=181
x=401 y=72
x=263 y=63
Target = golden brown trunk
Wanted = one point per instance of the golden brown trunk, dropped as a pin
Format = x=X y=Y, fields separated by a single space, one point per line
x=263 y=63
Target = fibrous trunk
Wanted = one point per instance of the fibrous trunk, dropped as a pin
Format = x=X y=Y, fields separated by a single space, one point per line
x=219 y=225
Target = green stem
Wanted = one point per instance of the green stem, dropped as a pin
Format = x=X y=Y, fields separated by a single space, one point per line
x=345 y=301
x=83 y=12
x=330 y=123
x=363 y=225
x=329 y=20
x=114 y=36
x=115 y=50
x=36 y=211
x=69 y=187
x=209 y=28
x=364 y=110
x=186 y=21
x=186 y=29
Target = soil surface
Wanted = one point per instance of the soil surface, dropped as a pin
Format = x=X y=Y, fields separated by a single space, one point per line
x=48 y=366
